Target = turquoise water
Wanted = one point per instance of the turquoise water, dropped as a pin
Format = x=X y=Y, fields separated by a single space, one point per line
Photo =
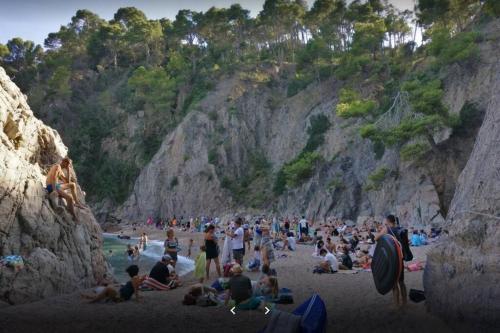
x=119 y=260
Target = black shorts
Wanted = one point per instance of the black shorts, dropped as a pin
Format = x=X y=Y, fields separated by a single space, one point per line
x=238 y=254
x=173 y=255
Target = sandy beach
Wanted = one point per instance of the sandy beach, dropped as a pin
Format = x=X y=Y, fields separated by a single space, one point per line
x=352 y=302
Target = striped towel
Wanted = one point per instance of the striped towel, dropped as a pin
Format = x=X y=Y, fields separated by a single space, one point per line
x=153 y=284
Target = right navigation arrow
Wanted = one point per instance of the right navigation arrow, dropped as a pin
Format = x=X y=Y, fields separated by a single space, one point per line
x=267 y=310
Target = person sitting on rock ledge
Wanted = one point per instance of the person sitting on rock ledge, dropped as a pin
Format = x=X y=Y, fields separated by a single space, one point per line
x=53 y=183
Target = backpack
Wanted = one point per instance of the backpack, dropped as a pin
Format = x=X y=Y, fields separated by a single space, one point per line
x=285 y=296
x=402 y=237
x=347 y=261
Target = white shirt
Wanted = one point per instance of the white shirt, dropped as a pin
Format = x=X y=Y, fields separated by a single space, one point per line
x=303 y=223
x=291 y=243
x=330 y=258
x=237 y=240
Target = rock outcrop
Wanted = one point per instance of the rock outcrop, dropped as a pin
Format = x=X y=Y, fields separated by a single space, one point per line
x=59 y=255
x=462 y=276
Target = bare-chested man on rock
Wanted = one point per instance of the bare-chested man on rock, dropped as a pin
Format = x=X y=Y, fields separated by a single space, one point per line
x=59 y=182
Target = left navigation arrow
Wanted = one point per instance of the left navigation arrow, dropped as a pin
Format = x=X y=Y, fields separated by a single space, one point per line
x=232 y=310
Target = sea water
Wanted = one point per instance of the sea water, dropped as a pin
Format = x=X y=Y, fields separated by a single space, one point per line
x=119 y=261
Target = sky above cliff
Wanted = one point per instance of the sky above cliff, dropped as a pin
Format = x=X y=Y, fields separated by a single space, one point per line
x=35 y=19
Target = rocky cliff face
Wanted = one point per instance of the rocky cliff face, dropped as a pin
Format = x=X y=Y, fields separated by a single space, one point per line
x=60 y=256
x=215 y=145
x=219 y=140
x=462 y=277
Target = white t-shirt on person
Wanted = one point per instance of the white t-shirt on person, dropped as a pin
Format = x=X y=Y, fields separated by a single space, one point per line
x=303 y=223
x=237 y=240
x=291 y=243
x=332 y=260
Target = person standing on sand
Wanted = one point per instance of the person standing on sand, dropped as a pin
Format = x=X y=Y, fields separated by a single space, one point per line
x=237 y=242
x=143 y=241
x=57 y=181
x=399 y=289
x=246 y=237
x=190 y=246
x=303 y=228
x=267 y=247
x=171 y=245
x=212 y=250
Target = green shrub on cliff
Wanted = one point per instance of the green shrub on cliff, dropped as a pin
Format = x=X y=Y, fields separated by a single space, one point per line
x=376 y=178
x=301 y=168
x=449 y=49
x=352 y=105
x=319 y=124
x=153 y=86
x=413 y=151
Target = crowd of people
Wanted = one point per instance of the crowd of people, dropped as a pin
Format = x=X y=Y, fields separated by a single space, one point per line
x=224 y=246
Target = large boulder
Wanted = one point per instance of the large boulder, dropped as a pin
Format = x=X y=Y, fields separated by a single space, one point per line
x=462 y=276
x=59 y=254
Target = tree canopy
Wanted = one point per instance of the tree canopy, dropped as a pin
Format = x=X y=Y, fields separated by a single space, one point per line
x=91 y=69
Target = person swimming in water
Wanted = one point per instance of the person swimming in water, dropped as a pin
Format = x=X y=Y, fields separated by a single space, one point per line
x=59 y=182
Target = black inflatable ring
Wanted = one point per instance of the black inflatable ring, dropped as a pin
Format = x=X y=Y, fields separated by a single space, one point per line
x=386 y=264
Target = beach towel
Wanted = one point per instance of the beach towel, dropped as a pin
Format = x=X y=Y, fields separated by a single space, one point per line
x=350 y=271
x=13 y=261
x=226 y=251
x=416 y=266
x=313 y=313
x=200 y=265
x=153 y=284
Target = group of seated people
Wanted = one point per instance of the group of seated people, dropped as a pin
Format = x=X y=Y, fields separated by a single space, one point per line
x=244 y=293
x=418 y=238
x=285 y=241
x=338 y=256
x=161 y=277
x=248 y=296
x=333 y=258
